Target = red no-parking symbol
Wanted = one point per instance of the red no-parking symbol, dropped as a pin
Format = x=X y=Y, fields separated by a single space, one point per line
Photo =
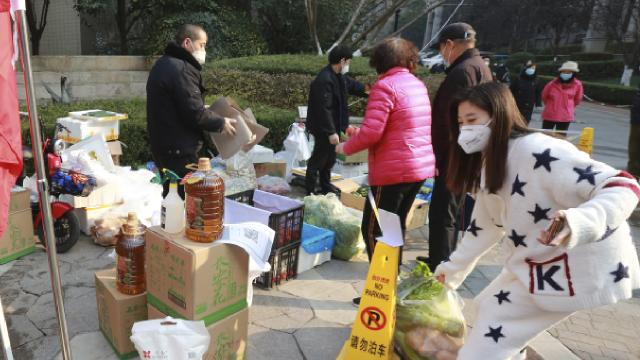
x=373 y=318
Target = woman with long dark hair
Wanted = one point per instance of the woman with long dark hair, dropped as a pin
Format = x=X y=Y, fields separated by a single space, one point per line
x=563 y=217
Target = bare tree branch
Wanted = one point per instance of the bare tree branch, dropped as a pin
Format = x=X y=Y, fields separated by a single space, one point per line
x=381 y=20
x=352 y=22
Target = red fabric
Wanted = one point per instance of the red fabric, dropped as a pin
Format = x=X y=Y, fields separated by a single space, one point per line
x=632 y=187
x=396 y=130
x=560 y=100
x=5 y=5
x=10 y=142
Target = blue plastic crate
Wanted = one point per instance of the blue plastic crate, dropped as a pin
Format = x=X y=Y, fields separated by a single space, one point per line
x=316 y=240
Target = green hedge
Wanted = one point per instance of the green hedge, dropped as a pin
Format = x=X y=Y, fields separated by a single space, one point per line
x=593 y=56
x=606 y=93
x=588 y=69
x=293 y=64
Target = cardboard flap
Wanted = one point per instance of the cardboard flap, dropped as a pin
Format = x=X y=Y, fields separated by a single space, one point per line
x=347 y=185
x=229 y=145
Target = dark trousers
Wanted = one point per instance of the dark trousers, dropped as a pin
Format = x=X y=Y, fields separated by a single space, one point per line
x=527 y=113
x=445 y=221
x=321 y=161
x=177 y=164
x=555 y=125
x=398 y=199
x=633 y=166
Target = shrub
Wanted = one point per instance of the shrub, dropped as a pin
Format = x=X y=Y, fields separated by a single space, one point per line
x=594 y=56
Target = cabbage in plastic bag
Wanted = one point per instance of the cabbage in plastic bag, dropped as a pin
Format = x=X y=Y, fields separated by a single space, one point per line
x=328 y=212
x=429 y=320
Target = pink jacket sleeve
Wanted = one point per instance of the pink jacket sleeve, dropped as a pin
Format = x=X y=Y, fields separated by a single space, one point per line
x=545 y=92
x=381 y=102
x=579 y=94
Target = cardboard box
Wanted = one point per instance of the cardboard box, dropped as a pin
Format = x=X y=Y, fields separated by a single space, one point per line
x=347 y=186
x=18 y=239
x=115 y=148
x=418 y=214
x=87 y=217
x=357 y=158
x=108 y=194
x=118 y=312
x=416 y=218
x=276 y=168
x=228 y=336
x=195 y=281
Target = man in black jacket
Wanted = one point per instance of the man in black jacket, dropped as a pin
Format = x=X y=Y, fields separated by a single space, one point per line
x=465 y=69
x=176 y=116
x=328 y=115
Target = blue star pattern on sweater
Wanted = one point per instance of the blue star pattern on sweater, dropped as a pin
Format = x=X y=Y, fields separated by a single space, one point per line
x=620 y=273
x=544 y=159
x=503 y=296
x=586 y=174
x=495 y=334
x=516 y=187
x=607 y=233
x=539 y=214
x=473 y=228
x=518 y=240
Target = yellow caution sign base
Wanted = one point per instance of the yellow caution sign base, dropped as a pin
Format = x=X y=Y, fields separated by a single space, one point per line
x=372 y=333
x=585 y=142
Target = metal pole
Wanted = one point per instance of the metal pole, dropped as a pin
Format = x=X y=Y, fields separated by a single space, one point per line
x=43 y=187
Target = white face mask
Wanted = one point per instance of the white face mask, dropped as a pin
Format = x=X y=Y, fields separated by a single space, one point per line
x=345 y=69
x=200 y=56
x=474 y=138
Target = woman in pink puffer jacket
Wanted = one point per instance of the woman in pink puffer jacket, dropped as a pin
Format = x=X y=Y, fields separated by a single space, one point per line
x=561 y=96
x=397 y=132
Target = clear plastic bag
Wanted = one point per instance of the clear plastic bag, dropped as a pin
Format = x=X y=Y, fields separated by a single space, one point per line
x=274 y=185
x=429 y=320
x=328 y=212
x=170 y=338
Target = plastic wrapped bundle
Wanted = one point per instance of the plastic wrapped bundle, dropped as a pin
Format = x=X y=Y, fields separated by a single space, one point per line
x=429 y=320
x=328 y=212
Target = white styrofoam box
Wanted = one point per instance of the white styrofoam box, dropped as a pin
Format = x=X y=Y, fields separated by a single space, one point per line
x=351 y=170
x=260 y=154
x=308 y=261
x=88 y=216
x=98 y=115
x=79 y=130
x=108 y=194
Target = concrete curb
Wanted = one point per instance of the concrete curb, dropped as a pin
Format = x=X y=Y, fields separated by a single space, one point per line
x=546 y=347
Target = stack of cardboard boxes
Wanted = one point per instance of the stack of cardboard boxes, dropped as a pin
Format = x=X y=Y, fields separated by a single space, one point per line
x=185 y=280
x=197 y=281
x=18 y=239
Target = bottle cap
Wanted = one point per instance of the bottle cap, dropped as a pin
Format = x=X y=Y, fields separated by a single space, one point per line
x=204 y=164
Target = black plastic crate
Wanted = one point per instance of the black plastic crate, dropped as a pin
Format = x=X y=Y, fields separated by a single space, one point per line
x=287 y=224
x=284 y=266
x=245 y=197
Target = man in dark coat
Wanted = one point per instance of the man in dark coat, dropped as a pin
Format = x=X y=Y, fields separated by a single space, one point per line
x=526 y=90
x=465 y=69
x=633 y=165
x=176 y=116
x=328 y=116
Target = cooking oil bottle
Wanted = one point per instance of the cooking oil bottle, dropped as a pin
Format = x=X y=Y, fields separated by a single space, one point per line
x=204 y=191
x=130 y=275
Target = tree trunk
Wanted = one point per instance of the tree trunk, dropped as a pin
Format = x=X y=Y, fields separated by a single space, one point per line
x=36 y=30
x=312 y=19
x=121 y=20
x=381 y=20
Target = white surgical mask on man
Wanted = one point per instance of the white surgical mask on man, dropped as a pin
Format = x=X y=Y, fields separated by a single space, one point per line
x=200 y=56
x=345 y=68
x=474 y=138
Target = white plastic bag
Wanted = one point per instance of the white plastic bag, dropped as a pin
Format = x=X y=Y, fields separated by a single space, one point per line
x=297 y=143
x=170 y=338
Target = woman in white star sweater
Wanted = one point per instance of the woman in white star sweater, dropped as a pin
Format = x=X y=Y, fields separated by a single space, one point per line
x=522 y=181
